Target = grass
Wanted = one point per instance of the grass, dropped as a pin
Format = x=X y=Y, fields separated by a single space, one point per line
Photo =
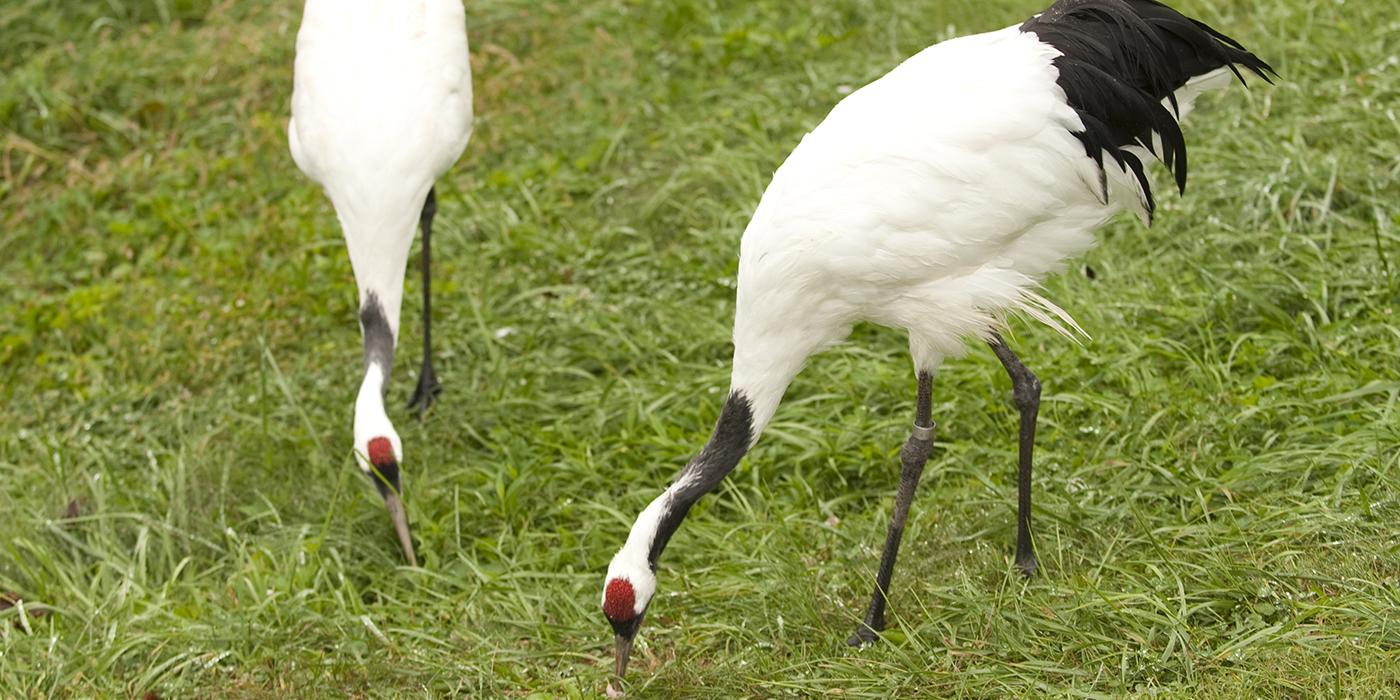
x=1218 y=476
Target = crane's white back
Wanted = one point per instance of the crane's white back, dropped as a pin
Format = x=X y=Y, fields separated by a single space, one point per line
x=933 y=199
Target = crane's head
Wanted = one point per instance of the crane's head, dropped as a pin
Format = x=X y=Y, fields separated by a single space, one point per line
x=379 y=453
x=627 y=592
x=631 y=580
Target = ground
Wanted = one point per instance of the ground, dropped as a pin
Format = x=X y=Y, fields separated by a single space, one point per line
x=1218 y=476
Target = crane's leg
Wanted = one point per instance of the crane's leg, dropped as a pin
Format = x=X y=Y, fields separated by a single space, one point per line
x=1025 y=393
x=914 y=455
x=428 y=386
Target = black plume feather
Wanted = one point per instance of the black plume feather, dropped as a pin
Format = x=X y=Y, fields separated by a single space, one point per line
x=1120 y=59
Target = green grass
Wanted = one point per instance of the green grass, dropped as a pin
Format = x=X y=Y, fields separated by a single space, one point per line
x=1218 y=476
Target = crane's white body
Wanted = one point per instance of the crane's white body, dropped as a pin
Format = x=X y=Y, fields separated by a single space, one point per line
x=935 y=199
x=381 y=107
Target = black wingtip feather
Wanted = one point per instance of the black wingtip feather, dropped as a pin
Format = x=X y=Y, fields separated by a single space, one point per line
x=1119 y=60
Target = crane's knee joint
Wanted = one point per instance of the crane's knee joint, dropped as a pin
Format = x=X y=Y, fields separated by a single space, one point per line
x=1025 y=392
x=919 y=446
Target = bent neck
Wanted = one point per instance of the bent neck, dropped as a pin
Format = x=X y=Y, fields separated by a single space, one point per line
x=653 y=528
x=759 y=380
x=771 y=344
x=730 y=441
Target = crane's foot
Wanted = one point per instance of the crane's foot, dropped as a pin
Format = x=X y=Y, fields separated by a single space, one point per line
x=1027 y=563
x=864 y=635
x=426 y=392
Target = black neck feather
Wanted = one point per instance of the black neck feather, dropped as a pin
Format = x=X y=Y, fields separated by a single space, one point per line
x=729 y=443
x=378 y=337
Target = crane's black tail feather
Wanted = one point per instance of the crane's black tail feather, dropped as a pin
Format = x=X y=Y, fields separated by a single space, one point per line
x=1120 y=59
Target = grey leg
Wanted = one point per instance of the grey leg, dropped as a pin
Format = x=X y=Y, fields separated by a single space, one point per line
x=428 y=387
x=1025 y=394
x=914 y=455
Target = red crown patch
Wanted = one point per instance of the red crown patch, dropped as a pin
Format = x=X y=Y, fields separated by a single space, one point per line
x=381 y=452
x=619 y=600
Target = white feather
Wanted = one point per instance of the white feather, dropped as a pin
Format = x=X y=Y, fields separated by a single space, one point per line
x=934 y=199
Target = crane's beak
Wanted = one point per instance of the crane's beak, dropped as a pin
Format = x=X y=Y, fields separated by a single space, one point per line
x=386 y=478
x=400 y=518
x=625 y=633
x=623 y=650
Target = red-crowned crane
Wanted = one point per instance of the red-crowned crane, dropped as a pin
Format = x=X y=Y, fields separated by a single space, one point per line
x=381 y=107
x=935 y=200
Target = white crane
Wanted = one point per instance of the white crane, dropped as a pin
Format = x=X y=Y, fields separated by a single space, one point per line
x=935 y=200
x=381 y=107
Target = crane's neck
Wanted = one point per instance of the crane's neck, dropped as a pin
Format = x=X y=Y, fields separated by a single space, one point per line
x=781 y=317
x=371 y=420
x=767 y=355
x=379 y=337
x=732 y=436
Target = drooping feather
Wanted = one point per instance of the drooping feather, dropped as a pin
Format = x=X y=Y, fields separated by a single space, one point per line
x=1120 y=61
